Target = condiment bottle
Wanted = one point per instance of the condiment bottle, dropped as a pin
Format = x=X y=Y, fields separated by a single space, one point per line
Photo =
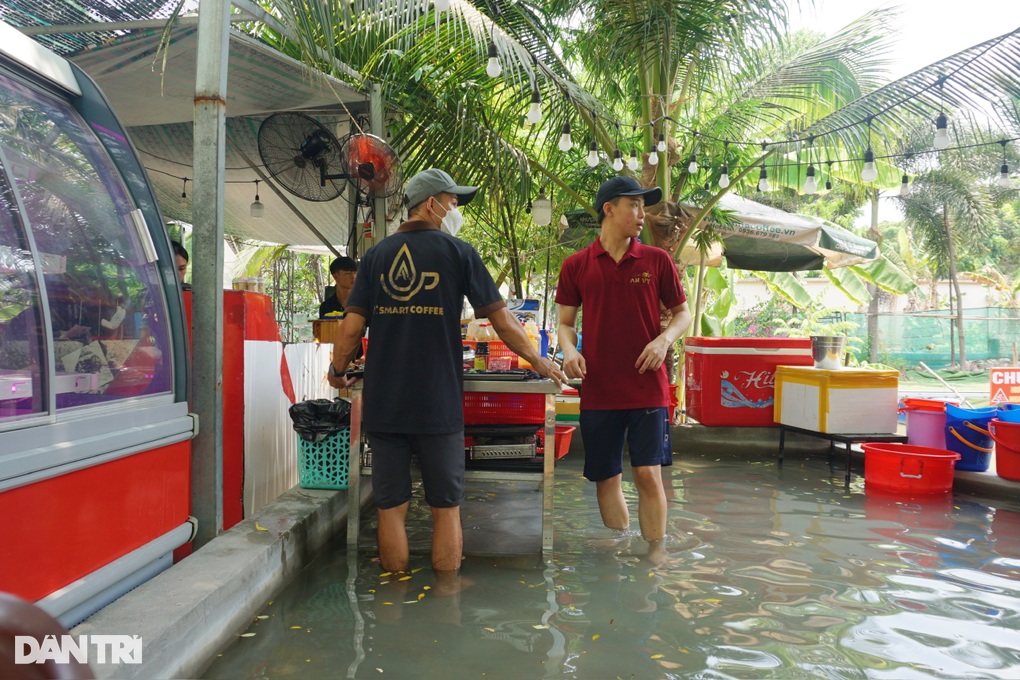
x=481 y=355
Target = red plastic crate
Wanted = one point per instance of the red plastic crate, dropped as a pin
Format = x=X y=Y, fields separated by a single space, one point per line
x=498 y=350
x=564 y=434
x=495 y=408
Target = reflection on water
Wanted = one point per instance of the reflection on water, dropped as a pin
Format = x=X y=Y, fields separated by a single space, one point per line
x=770 y=573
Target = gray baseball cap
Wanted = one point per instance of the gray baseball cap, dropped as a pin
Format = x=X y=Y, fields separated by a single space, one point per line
x=432 y=182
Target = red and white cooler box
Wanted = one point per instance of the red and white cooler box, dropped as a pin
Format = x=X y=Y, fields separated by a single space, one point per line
x=731 y=381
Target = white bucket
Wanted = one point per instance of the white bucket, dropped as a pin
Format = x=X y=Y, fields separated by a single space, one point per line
x=827 y=351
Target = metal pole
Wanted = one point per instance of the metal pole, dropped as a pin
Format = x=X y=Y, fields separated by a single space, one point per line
x=377 y=118
x=207 y=251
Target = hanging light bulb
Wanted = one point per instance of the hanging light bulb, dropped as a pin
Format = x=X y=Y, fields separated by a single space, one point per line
x=941 y=132
x=592 y=159
x=653 y=156
x=905 y=185
x=441 y=5
x=184 y=194
x=828 y=180
x=632 y=162
x=810 y=183
x=724 y=177
x=869 y=173
x=493 y=69
x=763 y=179
x=566 y=143
x=1003 y=181
x=661 y=146
x=541 y=209
x=692 y=167
x=535 y=110
x=617 y=160
x=256 y=209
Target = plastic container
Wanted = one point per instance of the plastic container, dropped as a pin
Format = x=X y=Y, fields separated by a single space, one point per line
x=496 y=408
x=967 y=434
x=325 y=464
x=731 y=381
x=848 y=401
x=827 y=351
x=564 y=435
x=926 y=422
x=907 y=470
x=497 y=350
x=1009 y=413
x=1006 y=436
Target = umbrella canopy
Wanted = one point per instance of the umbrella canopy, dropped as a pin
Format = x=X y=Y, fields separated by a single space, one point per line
x=763 y=238
x=756 y=237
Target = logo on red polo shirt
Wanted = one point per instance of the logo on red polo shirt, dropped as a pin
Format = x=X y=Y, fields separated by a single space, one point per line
x=644 y=277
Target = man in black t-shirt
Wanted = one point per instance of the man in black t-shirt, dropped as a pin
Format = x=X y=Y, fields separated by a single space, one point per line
x=344 y=271
x=410 y=290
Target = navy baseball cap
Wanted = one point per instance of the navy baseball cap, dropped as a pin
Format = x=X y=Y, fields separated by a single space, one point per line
x=624 y=186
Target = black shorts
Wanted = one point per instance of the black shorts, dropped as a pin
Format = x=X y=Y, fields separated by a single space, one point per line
x=440 y=456
x=646 y=431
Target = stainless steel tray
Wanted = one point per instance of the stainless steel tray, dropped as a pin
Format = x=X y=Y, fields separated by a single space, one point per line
x=501 y=451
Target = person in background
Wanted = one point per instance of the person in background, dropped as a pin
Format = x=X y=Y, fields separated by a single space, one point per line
x=410 y=292
x=344 y=271
x=182 y=259
x=623 y=285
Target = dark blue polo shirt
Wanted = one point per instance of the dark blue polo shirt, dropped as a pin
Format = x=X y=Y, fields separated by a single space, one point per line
x=411 y=288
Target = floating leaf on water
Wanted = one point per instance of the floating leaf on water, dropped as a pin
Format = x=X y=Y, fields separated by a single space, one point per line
x=415 y=571
x=385 y=574
x=490 y=630
x=405 y=578
x=420 y=596
x=426 y=588
x=262 y=617
x=539 y=626
x=247 y=634
x=596 y=636
x=387 y=603
x=657 y=656
x=296 y=627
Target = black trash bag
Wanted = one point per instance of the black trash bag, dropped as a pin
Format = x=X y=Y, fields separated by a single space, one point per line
x=317 y=419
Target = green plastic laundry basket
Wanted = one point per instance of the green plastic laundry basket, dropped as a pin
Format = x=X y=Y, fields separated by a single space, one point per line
x=325 y=464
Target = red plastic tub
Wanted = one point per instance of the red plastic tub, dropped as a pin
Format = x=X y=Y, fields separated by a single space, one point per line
x=908 y=470
x=731 y=381
x=1007 y=448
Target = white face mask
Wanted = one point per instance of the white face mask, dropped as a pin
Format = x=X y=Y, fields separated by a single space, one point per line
x=452 y=221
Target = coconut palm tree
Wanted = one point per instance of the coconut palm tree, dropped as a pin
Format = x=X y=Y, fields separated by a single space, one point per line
x=617 y=75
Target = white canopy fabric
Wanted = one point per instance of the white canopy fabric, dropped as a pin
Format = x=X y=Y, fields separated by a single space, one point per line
x=158 y=106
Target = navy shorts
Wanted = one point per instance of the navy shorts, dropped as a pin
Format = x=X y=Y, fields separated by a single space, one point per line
x=645 y=430
x=440 y=456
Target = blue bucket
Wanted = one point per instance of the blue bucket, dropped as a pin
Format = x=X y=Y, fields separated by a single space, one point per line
x=967 y=434
x=1009 y=413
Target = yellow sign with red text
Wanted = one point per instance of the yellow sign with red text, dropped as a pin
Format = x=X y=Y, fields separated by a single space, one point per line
x=1004 y=386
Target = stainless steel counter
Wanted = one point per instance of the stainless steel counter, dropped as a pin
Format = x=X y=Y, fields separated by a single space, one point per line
x=544 y=477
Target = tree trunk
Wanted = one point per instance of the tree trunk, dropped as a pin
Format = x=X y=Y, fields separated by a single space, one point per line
x=954 y=280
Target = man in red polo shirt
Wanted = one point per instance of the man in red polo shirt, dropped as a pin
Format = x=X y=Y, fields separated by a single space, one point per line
x=623 y=285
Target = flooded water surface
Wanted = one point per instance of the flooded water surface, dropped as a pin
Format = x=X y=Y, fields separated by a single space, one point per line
x=769 y=572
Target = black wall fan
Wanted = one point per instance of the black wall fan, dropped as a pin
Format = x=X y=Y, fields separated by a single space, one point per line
x=311 y=163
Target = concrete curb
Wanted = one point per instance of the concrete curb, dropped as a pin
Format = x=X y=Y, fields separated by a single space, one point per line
x=190 y=612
